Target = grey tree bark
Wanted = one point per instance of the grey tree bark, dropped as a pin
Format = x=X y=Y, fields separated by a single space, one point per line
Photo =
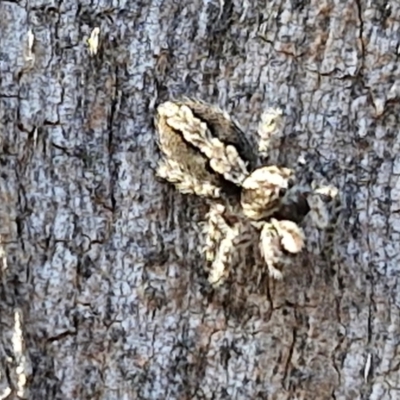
x=103 y=290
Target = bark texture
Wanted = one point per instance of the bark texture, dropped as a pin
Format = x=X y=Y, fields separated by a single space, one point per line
x=103 y=290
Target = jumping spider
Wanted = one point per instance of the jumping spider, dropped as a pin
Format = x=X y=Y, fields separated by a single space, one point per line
x=205 y=153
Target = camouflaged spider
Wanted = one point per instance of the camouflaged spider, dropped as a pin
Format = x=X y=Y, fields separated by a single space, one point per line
x=205 y=153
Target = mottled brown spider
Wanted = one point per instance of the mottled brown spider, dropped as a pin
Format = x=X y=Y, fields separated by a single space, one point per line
x=204 y=152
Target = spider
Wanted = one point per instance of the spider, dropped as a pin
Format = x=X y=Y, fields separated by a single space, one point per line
x=205 y=153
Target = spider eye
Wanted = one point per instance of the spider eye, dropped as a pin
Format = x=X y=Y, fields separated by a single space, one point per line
x=282 y=192
x=291 y=183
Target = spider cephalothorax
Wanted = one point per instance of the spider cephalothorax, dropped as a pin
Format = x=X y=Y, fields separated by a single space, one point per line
x=205 y=153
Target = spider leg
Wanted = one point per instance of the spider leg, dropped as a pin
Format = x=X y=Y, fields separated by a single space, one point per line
x=219 y=243
x=290 y=234
x=324 y=203
x=269 y=130
x=269 y=248
x=278 y=238
x=185 y=182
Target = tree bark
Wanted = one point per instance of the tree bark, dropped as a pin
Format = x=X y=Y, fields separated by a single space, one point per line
x=104 y=293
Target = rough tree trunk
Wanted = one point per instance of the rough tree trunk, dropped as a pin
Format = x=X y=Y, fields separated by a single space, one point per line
x=103 y=291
